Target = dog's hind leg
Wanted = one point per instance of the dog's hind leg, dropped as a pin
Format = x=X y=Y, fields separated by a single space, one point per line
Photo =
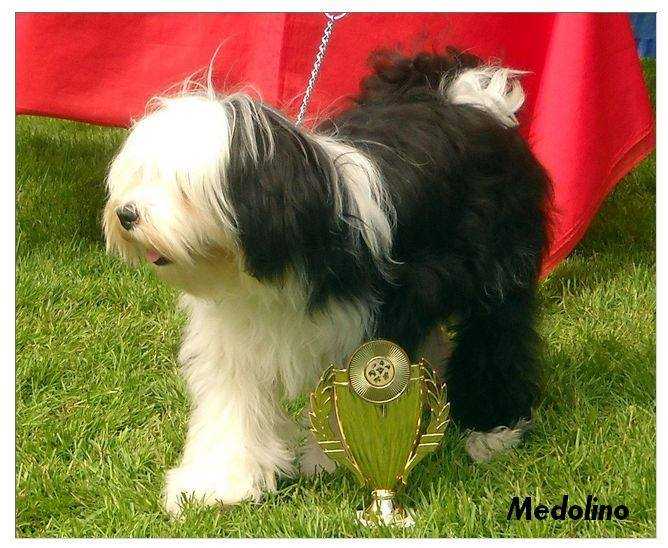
x=493 y=374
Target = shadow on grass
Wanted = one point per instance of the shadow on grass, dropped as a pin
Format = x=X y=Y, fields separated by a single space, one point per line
x=60 y=173
x=622 y=234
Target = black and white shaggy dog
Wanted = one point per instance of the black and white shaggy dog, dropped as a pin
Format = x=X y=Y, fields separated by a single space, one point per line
x=421 y=206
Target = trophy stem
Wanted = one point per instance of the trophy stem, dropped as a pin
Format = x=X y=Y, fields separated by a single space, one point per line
x=384 y=510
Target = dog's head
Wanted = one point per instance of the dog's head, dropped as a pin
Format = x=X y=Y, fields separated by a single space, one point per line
x=206 y=187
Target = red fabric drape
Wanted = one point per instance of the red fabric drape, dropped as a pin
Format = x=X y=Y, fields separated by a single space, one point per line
x=587 y=116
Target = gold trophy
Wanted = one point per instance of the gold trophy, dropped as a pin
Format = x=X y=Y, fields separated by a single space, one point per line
x=377 y=404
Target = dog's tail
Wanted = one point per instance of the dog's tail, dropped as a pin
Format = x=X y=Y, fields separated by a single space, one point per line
x=460 y=78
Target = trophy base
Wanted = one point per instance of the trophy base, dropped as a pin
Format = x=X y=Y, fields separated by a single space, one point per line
x=384 y=511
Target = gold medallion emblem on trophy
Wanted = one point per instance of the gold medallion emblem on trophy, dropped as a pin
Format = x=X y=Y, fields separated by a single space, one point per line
x=369 y=418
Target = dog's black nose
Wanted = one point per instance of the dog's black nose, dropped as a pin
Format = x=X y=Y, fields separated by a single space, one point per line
x=127 y=215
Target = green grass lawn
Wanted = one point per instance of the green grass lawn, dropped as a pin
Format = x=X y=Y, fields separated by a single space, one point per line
x=101 y=411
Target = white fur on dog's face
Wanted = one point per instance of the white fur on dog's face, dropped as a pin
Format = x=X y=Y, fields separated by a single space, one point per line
x=171 y=169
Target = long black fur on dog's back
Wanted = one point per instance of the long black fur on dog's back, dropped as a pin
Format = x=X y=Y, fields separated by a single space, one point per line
x=398 y=78
x=471 y=229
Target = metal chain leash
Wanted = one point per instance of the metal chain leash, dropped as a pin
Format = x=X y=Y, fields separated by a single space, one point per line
x=324 y=42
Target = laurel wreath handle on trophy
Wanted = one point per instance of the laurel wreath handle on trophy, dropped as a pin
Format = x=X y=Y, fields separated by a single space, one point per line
x=430 y=439
x=320 y=415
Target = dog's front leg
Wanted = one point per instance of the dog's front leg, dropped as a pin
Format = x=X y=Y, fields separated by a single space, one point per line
x=235 y=443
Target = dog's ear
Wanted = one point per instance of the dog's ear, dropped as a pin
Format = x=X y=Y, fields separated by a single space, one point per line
x=285 y=204
x=296 y=213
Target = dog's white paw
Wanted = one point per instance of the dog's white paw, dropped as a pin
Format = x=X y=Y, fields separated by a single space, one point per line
x=482 y=446
x=210 y=486
x=313 y=460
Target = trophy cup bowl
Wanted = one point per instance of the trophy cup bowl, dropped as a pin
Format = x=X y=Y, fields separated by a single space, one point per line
x=377 y=403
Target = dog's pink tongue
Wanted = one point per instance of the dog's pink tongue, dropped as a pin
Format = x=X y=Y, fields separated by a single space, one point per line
x=152 y=255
